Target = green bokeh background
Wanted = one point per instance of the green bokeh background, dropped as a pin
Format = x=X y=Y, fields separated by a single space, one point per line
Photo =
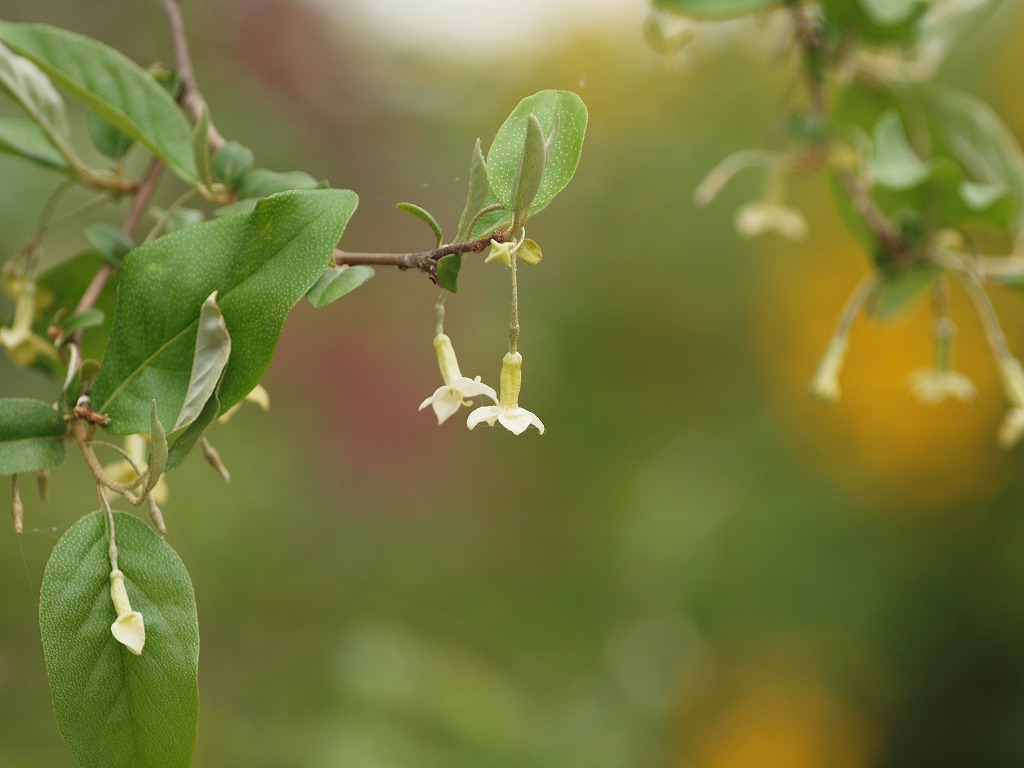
x=694 y=567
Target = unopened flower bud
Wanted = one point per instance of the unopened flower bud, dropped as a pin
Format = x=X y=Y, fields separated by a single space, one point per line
x=214 y=460
x=529 y=253
x=17 y=508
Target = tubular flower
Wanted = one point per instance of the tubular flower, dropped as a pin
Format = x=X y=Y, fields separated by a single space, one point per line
x=825 y=385
x=457 y=389
x=128 y=629
x=507 y=412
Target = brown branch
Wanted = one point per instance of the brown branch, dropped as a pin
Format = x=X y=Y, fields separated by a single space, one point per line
x=191 y=98
x=425 y=261
x=144 y=193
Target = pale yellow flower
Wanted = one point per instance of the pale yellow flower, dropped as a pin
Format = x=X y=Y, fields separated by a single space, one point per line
x=457 y=389
x=507 y=412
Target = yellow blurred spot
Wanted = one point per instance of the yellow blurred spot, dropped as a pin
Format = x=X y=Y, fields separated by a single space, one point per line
x=877 y=439
x=765 y=720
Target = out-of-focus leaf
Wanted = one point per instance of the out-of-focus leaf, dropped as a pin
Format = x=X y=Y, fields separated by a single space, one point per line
x=889 y=12
x=895 y=164
x=32 y=89
x=27 y=140
x=213 y=347
x=259 y=182
x=716 y=9
x=110 y=241
x=61 y=287
x=896 y=292
x=116 y=709
x=978 y=139
x=201 y=148
x=31 y=436
x=107 y=139
x=563 y=109
x=424 y=215
x=259 y=264
x=335 y=282
x=231 y=162
x=90 y=318
x=113 y=86
x=157 y=461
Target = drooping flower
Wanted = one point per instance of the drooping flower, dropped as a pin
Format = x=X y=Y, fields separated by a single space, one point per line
x=932 y=385
x=129 y=629
x=825 y=385
x=762 y=216
x=507 y=412
x=457 y=389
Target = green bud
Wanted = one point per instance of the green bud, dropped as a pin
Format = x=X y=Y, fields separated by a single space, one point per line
x=529 y=253
x=231 y=162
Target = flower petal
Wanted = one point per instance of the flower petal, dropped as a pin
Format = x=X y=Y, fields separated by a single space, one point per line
x=446 y=401
x=486 y=413
x=130 y=631
x=516 y=420
x=474 y=388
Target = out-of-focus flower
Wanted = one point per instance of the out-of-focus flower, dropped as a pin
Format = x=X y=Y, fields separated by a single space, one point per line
x=24 y=347
x=507 y=412
x=129 y=629
x=123 y=472
x=931 y=385
x=1012 y=428
x=825 y=384
x=457 y=389
x=258 y=395
x=762 y=216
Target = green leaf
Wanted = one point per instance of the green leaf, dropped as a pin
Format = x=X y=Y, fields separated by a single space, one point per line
x=110 y=241
x=213 y=347
x=31 y=436
x=181 y=445
x=478 y=197
x=889 y=12
x=259 y=264
x=562 y=109
x=716 y=9
x=526 y=183
x=201 y=147
x=112 y=86
x=335 y=282
x=259 y=182
x=27 y=140
x=447 y=274
x=978 y=139
x=115 y=709
x=61 y=288
x=157 y=461
x=895 y=164
x=107 y=139
x=425 y=215
x=896 y=292
x=90 y=318
x=30 y=87
x=231 y=162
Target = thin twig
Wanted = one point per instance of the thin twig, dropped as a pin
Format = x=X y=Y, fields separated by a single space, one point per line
x=191 y=98
x=425 y=261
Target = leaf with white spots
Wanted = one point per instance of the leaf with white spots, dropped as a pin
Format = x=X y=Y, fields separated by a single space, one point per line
x=116 y=709
x=563 y=111
x=259 y=263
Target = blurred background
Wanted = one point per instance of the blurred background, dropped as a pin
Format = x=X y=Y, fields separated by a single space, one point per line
x=696 y=566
